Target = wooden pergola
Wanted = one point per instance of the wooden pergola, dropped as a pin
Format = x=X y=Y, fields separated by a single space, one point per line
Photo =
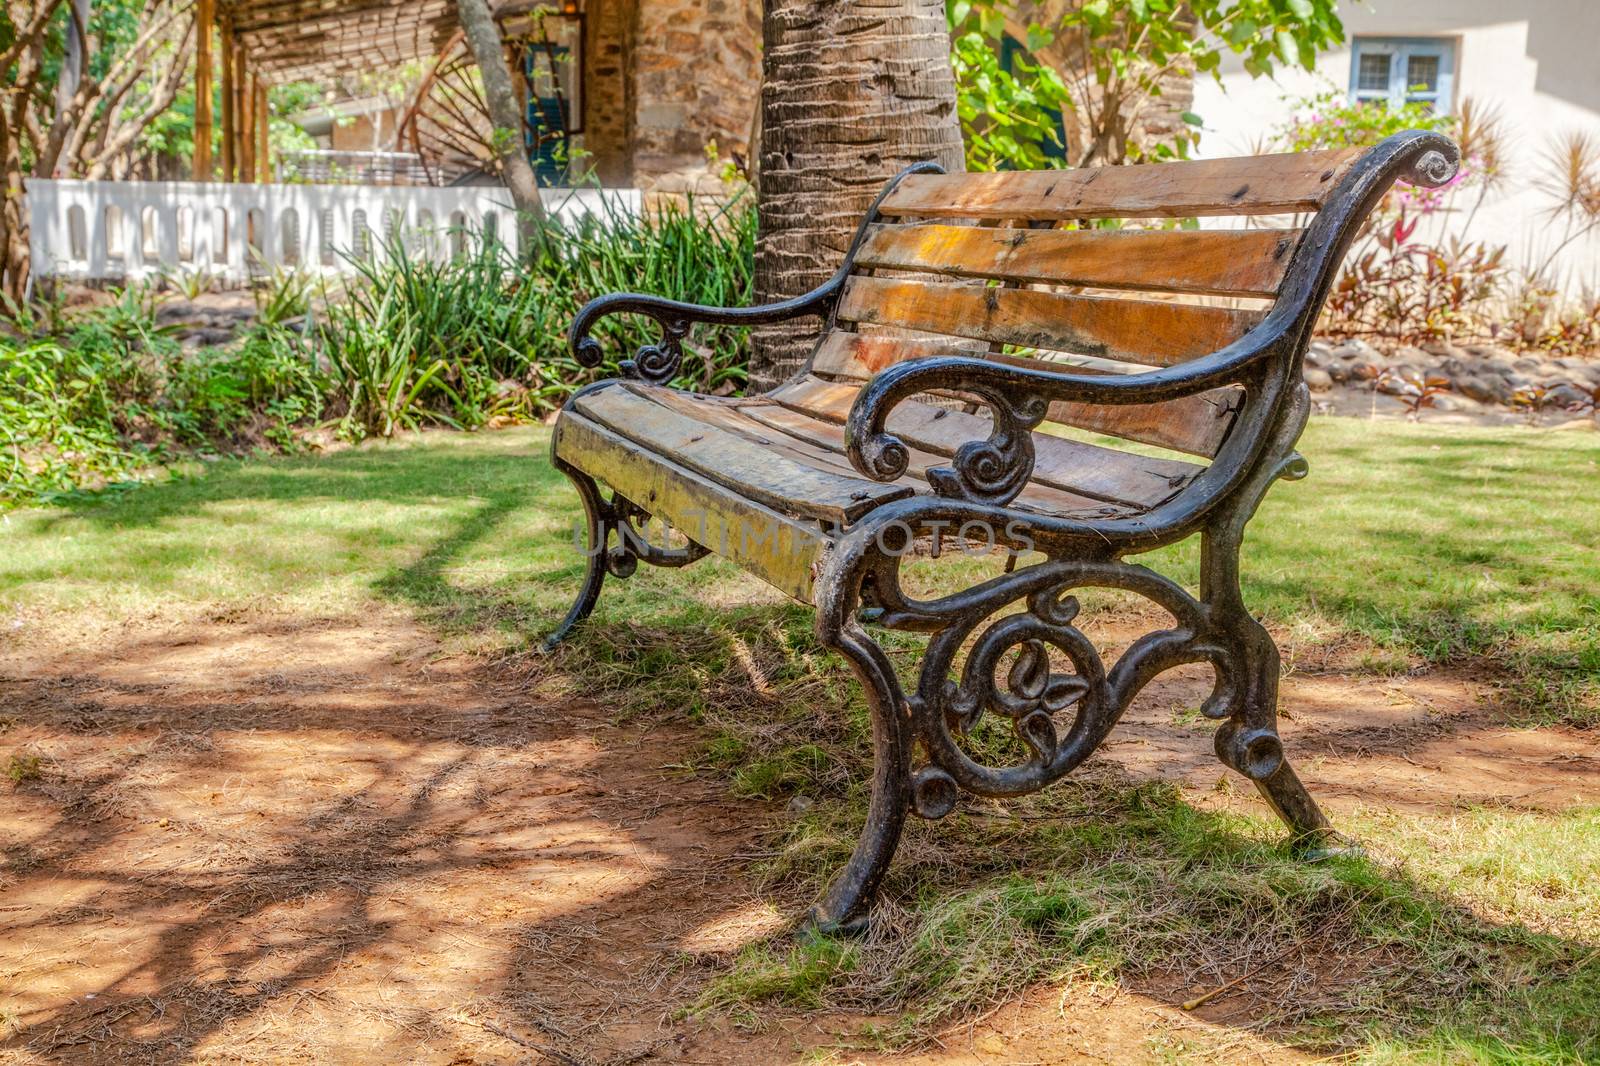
x=261 y=41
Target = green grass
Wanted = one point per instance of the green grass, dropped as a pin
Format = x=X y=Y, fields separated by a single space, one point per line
x=1469 y=937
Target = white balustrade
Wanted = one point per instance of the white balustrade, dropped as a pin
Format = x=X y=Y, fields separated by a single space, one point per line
x=131 y=230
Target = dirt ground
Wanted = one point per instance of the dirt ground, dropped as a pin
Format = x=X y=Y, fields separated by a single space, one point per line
x=258 y=841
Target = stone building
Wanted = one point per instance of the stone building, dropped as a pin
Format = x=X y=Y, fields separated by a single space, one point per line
x=663 y=79
x=629 y=92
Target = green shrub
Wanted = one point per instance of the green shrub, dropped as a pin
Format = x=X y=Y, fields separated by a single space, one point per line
x=92 y=398
x=115 y=394
x=482 y=336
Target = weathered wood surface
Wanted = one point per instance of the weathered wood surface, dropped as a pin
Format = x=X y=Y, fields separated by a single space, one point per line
x=1152 y=332
x=762 y=424
x=1265 y=184
x=1205 y=262
x=754 y=466
x=1196 y=424
x=1068 y=465
x=781 y=550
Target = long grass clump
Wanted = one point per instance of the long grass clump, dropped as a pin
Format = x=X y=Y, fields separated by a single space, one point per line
x=95 y=397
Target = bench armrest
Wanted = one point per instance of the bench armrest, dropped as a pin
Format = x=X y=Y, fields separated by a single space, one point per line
x=658 y=363
x=993 y=471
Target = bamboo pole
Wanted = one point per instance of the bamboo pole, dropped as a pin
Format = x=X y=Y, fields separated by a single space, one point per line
x=247 y=120
x=204 y=17
x=230 y=111
x=263 y=160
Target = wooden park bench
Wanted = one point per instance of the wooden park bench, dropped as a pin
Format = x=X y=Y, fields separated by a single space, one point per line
x=970 y=311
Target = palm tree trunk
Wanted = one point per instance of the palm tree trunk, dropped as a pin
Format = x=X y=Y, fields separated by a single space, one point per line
x=852 y=91
x=483 y=37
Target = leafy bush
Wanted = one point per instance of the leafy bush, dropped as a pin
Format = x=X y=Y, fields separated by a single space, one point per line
x=481 y=337
x=1113 y=62
x=114 y=393
x=94 y=397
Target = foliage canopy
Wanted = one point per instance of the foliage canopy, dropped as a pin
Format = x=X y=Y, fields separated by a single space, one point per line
x=1104 y=66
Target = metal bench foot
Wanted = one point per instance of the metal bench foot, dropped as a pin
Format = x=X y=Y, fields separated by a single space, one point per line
x=600 y=521
x=843 y=910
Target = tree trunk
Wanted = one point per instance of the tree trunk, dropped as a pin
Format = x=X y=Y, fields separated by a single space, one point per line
x=483 y=37
x=852 y=91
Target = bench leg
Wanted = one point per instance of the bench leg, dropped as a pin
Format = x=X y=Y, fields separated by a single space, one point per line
x=843 y=909
x=600 y=521
x=1249 y=743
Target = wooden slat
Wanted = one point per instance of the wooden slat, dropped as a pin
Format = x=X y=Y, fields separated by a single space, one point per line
x=820 y=443
x=1210 y=262
x=1141 y=331
x=781 y=550
x=1066 y=465
x=1193 y=424
x=1264 y=184
x=756 y=470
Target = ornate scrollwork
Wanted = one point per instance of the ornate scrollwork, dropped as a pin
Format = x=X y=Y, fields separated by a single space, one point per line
x=1433 y=168
x=990 y=471
x=1011 y=629
x=993 y=471
x=634 y=543
x=656 y=363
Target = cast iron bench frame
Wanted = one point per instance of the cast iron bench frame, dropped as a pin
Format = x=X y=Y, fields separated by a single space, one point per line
x=851 y=571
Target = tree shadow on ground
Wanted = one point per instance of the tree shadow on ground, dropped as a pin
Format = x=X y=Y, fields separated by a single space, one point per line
x=353 y=893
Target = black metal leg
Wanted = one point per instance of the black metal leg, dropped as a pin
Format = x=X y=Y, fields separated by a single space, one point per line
x=844 y=908
x=598 y=514
x=1249 y=742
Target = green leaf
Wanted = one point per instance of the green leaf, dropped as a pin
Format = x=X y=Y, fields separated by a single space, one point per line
x=1192 y=119
x=1302 y=8
x=1288 y=48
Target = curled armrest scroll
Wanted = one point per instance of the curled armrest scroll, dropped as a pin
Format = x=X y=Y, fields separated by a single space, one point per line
x=658 y=362
x=995 y=470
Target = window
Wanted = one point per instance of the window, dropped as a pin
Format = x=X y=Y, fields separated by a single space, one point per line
x=1403 y=70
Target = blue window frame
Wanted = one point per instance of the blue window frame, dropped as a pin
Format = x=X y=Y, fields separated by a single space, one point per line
x=1403 y=70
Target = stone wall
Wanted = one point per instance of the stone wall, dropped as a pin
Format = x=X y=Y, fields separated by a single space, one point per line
x=697 y=78
x=607 y=114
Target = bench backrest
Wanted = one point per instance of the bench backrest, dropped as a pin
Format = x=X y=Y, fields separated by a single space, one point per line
x=1012 y=266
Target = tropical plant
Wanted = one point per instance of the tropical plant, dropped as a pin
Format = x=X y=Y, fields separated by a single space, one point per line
x=1405 y=290
x=477 y=338
x=1111 y=63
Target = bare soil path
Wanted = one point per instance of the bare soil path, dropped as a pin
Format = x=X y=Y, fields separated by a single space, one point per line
x=259 y=840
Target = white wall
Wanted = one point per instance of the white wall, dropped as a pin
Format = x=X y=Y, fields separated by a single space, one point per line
x=1538 y=61
x=128 y=230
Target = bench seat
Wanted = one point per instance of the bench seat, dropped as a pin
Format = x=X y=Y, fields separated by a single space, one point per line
x=786 y=451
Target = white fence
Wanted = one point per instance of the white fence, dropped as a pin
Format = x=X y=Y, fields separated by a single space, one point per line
x=129 y=230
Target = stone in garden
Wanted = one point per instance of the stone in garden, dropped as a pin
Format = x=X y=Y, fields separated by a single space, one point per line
x=1485 y=389
x=1317 y=379
x=1565 y=395
x=1318 y=354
